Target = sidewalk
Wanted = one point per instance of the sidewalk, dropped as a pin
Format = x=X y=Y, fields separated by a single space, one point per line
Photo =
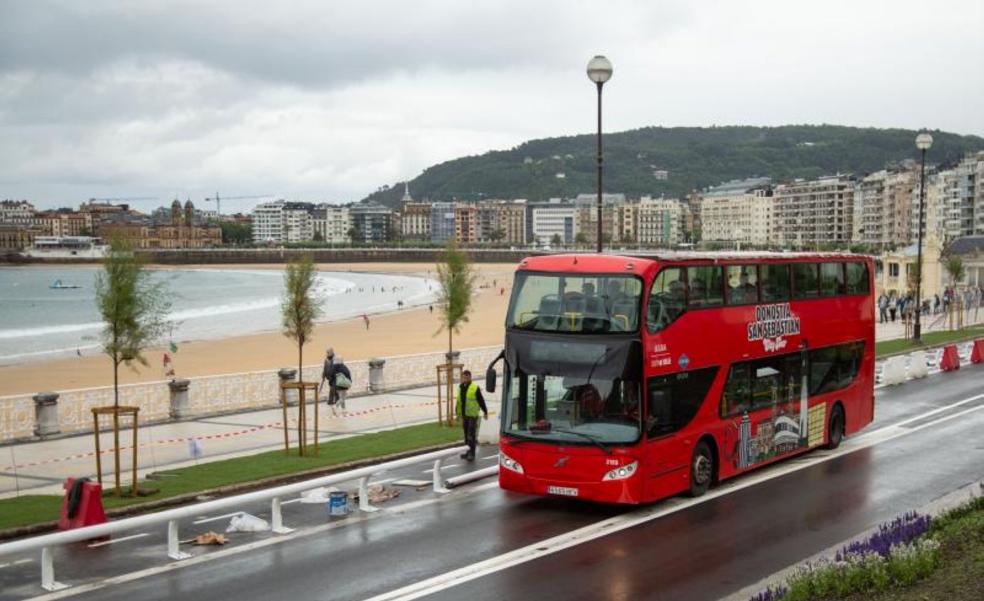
x=930 y=323
x=41 y=467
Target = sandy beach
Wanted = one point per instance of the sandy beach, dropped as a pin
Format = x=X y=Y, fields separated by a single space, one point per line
x=402 y=332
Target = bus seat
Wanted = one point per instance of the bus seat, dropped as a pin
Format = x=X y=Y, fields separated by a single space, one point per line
x=622 y=313
x=549 y=314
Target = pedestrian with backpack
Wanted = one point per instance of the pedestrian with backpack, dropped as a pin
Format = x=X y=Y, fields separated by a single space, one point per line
x=338 y=377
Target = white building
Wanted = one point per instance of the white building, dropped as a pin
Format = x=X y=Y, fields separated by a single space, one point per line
x=281 y=222
x=739 y=211
x=16 y=211
x=883 y=207
x=813 y=212
x=658 y=221
x=554 y=218
x=331 y=223
x=964 y=192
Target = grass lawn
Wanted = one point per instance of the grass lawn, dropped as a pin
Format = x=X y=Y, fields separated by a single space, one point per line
x=890 y=347
x=33 y=509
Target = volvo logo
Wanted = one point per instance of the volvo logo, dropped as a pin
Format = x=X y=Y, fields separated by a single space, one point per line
x=561 y=462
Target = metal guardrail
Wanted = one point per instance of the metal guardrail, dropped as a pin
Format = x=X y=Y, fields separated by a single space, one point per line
x=171 y=516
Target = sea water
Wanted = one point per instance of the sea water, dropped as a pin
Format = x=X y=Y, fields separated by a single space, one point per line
x=38 y=322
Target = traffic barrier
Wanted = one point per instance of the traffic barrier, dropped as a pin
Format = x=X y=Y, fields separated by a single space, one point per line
x=950 y=361
x=917 y=365
x=977 y=352
x=893 y=372
x=171 y=517
x=82 y=505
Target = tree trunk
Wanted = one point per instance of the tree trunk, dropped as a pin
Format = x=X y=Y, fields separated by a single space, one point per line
x=300 y=361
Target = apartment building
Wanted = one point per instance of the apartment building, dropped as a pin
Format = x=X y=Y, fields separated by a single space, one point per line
x=813 y=212
x=964 y=198
x=16 y=211
x=372 y=223
x=415 y=220
x=465 y=223
x=554 y=218
x=935 y=206
x=658 y=222
x=442 y=227
x=739 y=211
x=331 y=223
x=281 y=222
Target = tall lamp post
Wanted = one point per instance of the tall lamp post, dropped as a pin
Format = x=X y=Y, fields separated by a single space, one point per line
x=599 y=71
x=923 y=142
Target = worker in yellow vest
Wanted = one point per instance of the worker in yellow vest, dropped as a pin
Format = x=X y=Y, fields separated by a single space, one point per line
x=470 y=402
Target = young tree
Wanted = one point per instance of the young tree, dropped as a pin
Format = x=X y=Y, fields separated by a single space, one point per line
x=555 y=240
x=134 y=309
x=300 y=305
x=456 y=278
x=955 y=269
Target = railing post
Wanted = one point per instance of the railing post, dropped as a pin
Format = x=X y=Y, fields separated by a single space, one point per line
x=48 y=582
x=364 y=495
x=277 y=518
x=438 y=480
x=173 y=544
x=376 y=381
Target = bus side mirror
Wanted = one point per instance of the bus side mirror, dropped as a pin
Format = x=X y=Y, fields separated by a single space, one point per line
x=490 y=379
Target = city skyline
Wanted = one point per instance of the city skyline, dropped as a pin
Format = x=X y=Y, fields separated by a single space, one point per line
x=160 y=99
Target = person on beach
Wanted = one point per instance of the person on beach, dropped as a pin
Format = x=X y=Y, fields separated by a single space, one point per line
x=365 y=318
x=470 y=402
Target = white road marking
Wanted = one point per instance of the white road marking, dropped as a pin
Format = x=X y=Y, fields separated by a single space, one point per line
x=16 y=563
x=443 y=467
x=118 y=540
x=591 y=532
x=218 y=517
x=534 y=551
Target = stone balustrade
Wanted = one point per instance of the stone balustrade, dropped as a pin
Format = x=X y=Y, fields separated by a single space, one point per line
x=22 y=417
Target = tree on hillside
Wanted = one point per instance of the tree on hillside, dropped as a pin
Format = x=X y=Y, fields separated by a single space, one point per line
x=134 y=309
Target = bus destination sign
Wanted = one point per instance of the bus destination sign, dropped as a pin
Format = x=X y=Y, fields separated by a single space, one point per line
x=772 y=324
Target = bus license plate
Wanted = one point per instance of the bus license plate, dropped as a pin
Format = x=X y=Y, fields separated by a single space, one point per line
x=562 y=490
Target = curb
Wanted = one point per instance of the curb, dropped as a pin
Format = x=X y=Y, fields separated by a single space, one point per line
x=224 y=491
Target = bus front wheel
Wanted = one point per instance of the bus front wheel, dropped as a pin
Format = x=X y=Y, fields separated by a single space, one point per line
x=835 y=427
x=701 y=469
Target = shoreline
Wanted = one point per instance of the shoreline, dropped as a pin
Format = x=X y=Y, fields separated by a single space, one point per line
x=407 y=331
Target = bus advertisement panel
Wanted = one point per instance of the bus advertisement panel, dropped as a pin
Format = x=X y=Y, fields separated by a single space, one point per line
x=629 y=379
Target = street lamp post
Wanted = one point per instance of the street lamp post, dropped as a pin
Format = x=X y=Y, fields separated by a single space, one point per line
x=923 y=142
x=599 y=71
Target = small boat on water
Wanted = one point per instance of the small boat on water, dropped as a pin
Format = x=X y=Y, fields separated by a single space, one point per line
x=57 y=285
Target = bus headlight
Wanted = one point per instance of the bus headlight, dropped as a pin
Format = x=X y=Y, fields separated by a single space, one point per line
x=621 y=473
x=509 y=463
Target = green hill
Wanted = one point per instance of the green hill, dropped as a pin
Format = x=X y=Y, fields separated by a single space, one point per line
x=695 y=157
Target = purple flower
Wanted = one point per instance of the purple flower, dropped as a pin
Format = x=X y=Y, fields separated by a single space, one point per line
x=771 y=594
x=901 y=530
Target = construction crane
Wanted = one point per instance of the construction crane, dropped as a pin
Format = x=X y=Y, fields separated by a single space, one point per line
x=218 y=200
x=123 y=198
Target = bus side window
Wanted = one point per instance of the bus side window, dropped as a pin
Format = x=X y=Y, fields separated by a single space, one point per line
x=805 y=280
x=667 y=298
x=848 y=362
x=736 y=397
x=823 y=370
x=857 y=278
x=673 y=400
x=705 y=286
x=775 y=282
x=742 y=284
x=831 y=279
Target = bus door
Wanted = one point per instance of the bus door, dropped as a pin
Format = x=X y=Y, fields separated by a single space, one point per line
x=672 y=402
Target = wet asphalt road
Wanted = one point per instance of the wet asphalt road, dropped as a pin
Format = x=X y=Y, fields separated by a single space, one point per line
x=705 y=551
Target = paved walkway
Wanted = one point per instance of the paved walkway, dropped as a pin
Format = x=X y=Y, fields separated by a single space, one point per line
x=41 y=467
x=930 y=323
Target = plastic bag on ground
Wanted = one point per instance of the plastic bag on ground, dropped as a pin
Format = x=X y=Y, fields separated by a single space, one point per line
x=245 y=522
x=317 y=495
x=211 y=538
x=379 y=493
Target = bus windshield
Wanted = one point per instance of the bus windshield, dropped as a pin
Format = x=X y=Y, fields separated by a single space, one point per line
x=574 y=302
x=572 y=391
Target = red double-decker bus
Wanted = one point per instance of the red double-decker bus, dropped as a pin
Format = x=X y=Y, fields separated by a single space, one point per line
x=630 y=378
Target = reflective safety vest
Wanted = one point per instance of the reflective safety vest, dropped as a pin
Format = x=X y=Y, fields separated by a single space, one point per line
x=471 y=401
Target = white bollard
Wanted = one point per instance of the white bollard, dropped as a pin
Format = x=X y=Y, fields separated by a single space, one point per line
x=893 y=372
x=917 y=365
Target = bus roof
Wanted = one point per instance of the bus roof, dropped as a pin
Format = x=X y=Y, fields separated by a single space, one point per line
x=639 y=262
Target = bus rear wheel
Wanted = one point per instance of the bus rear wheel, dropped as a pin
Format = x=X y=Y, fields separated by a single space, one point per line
x=701 y=469
x=835 y=427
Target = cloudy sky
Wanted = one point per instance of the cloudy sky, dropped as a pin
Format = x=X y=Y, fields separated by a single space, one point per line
x=326 y=101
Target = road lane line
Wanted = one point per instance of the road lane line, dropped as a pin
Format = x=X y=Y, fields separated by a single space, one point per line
x=591 y=532
x=218 y=517
x=117 y=540
x=536 y=550
x=443 y=467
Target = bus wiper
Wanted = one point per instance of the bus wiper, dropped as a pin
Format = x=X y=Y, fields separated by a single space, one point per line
x=593 y=439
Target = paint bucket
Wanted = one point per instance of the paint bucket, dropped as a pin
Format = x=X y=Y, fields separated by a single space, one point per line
x=337 y=503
